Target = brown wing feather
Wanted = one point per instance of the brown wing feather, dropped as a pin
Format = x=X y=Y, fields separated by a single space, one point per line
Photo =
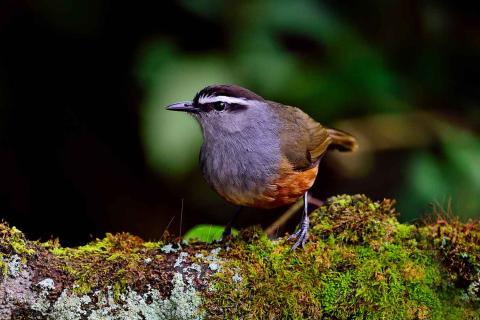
x=303 y=140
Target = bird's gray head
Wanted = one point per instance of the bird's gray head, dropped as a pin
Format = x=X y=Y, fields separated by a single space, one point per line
x=225 y=108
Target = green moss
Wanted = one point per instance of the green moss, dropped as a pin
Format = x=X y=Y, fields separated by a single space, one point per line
x=12 y=240
x=404 y=232
x=81 y=287
x=13 y=244
x=3 y=266
x=360 y=263
x=458 y=247
x=115 y=261
x=117 y=290
x=153 y=245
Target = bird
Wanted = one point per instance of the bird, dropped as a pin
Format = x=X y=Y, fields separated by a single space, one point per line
x=260 y=153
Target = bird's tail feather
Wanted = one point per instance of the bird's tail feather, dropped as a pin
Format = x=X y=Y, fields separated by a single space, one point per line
x=342 y=141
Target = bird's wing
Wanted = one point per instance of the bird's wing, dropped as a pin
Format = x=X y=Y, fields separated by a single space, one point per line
x=303 y=140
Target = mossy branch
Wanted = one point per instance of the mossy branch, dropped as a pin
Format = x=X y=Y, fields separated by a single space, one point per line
x=359 y=263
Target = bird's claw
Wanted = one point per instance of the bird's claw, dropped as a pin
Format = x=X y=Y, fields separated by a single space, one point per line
x=301 y=235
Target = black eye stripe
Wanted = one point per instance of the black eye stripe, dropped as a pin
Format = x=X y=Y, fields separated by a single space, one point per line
x=234 y=107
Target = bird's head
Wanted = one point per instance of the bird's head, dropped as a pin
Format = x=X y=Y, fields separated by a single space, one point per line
x=224 y=108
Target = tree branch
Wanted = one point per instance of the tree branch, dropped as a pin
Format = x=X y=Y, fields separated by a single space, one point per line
x=360 y=262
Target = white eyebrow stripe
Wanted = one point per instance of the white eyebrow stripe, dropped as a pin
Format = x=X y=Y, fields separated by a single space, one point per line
x=212 y=99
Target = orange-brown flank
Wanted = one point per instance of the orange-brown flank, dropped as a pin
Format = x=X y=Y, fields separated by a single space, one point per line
x=288 y=188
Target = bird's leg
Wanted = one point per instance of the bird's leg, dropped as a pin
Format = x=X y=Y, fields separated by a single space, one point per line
x=228 y=227
x=302 y=234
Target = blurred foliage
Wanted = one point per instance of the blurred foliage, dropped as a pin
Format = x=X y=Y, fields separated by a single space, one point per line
x=206 y=233
x=172 y=140
x=307 y=54
x=450 y=179
x=70 y=15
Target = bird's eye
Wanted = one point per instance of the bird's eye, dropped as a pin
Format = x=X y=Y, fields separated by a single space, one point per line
x=219 y=106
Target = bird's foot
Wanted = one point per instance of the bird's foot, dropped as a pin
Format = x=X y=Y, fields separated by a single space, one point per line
x=301 y=235
x=227 y=232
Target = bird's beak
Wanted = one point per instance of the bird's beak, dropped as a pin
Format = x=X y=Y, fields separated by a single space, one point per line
x=185 y=106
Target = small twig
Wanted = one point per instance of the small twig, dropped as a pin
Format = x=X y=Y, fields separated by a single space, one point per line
x=316 y=202
x=168 y=225
x=284 y=218
x=277 y=224
x=181 y=219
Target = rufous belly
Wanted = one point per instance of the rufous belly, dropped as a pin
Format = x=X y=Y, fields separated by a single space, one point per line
x=287 y=188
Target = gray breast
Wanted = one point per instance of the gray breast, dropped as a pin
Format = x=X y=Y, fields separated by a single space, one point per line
x=241 y=164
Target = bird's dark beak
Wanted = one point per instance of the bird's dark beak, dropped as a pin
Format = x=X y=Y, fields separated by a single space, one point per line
x=185 y=106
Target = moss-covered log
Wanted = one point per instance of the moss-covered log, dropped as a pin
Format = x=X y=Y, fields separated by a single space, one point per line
x=359 y=263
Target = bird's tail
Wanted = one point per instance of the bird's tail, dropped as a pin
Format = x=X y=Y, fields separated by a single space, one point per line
x=342 y=141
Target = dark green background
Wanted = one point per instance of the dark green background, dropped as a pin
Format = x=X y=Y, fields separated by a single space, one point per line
x=86 y=146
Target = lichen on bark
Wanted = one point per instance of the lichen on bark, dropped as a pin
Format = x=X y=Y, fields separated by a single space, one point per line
x=359 y=263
